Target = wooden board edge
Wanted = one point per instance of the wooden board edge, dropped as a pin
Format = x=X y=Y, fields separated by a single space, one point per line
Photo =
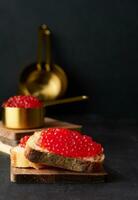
x=51 y=177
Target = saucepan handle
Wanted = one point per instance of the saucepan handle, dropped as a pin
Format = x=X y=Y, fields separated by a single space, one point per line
x=40 y=48
x=66 y=100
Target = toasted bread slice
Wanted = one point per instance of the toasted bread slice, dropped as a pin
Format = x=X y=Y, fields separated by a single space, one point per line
x=20 y=161
x=36 y=154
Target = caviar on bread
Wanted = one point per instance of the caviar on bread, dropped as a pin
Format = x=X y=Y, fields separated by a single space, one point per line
x=18 y=158
x=64 y=148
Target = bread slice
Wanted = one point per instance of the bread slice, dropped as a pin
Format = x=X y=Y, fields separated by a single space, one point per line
x=36 y=154
x=19 y=160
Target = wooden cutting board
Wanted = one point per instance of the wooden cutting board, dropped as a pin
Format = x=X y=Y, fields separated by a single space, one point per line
x=19 y=175
x=11 y=137
x=8 y=135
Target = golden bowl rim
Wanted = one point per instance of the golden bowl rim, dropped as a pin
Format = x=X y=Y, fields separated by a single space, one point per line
x=16 y=108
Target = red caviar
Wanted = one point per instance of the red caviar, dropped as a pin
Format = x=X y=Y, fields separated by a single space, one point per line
x=23 y=141
x=69 y=143
x=23 y=101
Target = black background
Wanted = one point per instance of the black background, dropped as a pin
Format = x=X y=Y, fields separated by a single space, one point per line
x=94 y=41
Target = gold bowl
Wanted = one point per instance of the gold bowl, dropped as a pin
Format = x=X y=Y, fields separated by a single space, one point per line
x=23 y=118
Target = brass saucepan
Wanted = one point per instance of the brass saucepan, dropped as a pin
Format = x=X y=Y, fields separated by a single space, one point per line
x=28 y=118
x=45 y=80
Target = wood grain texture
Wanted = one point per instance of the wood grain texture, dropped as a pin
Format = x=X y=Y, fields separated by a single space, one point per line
x=19 y=175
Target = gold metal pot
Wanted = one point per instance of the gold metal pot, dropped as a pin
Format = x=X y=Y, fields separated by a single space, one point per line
x=45 y=80
x=29 y=118
x=23 y=118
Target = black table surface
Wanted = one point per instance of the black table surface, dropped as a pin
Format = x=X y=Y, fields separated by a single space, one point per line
x=120 y=140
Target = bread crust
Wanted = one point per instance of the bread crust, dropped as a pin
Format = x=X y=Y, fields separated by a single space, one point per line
x=20 y=161
x=37 y=155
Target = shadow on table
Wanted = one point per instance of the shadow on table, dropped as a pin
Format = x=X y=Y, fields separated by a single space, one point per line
x=113 y=175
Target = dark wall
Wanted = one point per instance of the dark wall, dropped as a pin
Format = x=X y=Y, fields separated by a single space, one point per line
x=95 y=42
